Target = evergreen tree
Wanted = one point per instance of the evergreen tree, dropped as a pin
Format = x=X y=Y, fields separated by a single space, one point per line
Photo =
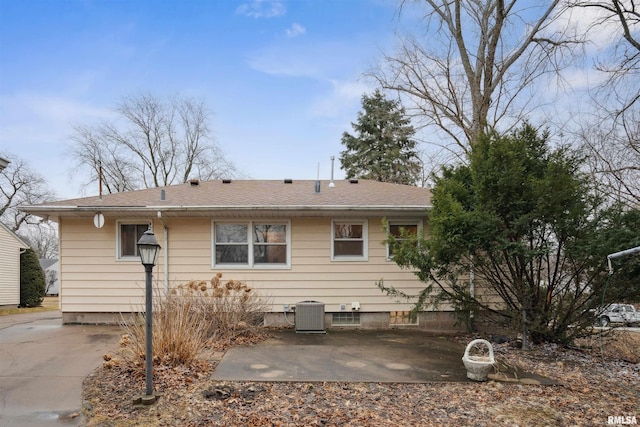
x=523 y=218
x=32 y=280
x=382 y=148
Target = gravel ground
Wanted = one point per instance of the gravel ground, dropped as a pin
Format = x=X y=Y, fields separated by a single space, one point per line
x=590 y=390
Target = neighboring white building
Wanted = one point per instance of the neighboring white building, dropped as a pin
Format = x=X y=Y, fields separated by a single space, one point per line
x=10 y=248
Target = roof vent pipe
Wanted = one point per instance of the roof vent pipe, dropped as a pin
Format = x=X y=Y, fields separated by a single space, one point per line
x=318 y=179
x=288 y=181
x=331 y=183
x=194 y=182
x=226 y=181
x=163 y=195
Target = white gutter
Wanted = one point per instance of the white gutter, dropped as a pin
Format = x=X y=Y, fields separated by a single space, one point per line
x=321 y=208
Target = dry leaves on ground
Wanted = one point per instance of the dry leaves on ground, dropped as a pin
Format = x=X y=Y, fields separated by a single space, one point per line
x=591 y=390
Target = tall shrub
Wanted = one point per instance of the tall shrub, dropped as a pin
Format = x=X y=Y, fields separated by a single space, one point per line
x=191 y=317
x=32 y=280
x=523 y=218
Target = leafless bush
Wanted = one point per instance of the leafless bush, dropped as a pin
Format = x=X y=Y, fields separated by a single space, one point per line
x=230 y=308
x=192 y=317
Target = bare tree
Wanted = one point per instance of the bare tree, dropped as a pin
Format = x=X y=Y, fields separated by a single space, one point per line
x=50 y=279
x=19 y=185
x=472 y=67
x=43 y=239
x=621 y=61
x=153 y=143
x=611 y=134
x=612 y=148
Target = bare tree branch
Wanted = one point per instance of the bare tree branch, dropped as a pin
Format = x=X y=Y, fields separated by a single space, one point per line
x=469 y=71
x=154 y=143
x=613 y=150
x=621 y=62
x=19 y=185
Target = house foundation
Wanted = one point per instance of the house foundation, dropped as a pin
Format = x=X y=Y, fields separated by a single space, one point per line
x=440 y=322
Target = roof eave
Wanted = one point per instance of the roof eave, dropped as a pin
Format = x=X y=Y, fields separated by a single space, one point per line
x=176 y=211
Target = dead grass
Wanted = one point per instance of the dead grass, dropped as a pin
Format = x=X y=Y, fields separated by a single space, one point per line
x=614 y=343
x=49 y=304
x=190 y=319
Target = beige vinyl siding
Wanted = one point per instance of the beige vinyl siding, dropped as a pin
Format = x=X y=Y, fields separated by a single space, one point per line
x=9 y=268
x=312 y=276
x=91 y=277
x=93 y=280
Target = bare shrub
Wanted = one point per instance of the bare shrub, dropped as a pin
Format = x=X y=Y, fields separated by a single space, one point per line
x=230 y=308
x=190 y=318
x=178 y=334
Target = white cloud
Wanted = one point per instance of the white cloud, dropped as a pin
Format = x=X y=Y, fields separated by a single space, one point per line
x=296 y=30
x=262 y=9
x=582 y=20
x=343 y=101
x=48 y=119
x=37 y=128
x=282 y=63
x=309 y=58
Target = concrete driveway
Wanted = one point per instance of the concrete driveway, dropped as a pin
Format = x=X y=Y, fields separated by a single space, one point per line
x=43 y=364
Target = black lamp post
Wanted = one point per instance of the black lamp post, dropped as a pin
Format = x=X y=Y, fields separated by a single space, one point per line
x=148 y=248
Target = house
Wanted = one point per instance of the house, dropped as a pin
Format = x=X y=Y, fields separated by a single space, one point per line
x=50 y=269
x=291 y=240
x=10 y=248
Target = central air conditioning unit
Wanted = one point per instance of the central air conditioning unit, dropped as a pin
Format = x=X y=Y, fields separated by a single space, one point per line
x=310 y=317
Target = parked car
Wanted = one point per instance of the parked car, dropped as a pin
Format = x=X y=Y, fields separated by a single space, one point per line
x=619 y=313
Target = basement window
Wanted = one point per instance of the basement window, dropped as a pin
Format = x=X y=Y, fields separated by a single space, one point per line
x=347 y=318
x=403 y=318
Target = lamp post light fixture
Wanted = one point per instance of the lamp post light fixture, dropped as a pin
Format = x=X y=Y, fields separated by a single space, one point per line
x=148 y=249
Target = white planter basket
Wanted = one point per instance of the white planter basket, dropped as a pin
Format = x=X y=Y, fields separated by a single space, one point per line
x=478 y=367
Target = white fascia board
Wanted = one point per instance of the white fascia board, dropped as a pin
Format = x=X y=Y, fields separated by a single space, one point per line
x=56 y=211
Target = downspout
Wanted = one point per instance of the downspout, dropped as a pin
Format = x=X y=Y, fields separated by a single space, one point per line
x=472 y=291
x=165 y=248
x=620 y=254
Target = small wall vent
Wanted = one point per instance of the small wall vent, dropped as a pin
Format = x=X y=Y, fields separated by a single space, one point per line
x=288 y=181
x=226 y=181
x=353 y=181
x=310 y=317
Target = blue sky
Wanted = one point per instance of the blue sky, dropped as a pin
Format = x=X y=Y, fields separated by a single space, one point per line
x=283 y=78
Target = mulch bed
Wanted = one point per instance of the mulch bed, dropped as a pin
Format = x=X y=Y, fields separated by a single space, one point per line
x=590 y=391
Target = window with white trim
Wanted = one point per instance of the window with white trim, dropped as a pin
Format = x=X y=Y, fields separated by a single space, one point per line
x=349 y=240
x=401 y=230
x=258 y=244
x=129 y=232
